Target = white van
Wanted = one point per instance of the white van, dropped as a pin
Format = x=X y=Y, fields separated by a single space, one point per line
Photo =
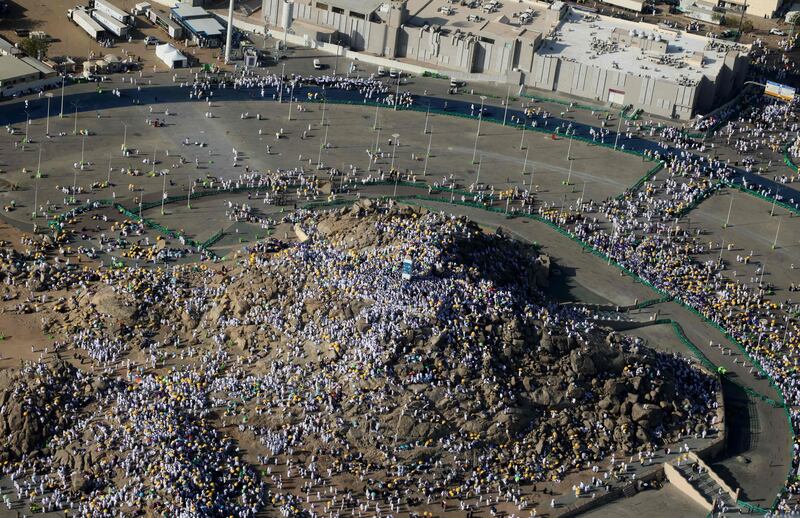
x=317 y=64
x=393 y=73
x=457 y=83
x=381 y=71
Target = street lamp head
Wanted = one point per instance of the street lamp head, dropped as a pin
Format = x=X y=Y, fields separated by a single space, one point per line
x=483 y=97
x=395 y=135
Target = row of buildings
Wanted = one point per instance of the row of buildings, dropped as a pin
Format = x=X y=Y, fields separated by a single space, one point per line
x=549 y=46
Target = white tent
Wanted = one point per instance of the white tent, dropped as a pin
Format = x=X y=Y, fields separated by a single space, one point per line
x=171 y=56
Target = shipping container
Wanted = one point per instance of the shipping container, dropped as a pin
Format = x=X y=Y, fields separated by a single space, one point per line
x=85 y=22
x=113 y=25
x=106 y=7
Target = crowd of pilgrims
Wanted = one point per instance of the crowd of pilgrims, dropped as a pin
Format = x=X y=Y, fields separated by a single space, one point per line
x=167 y=397
x=639 y=230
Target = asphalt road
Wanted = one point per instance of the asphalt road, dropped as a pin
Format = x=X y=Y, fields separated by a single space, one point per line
x=14 y=112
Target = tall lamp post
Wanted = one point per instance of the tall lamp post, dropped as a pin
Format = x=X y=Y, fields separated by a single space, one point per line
x=75 y=129
x=47 y=129
x=478 y=133
x=63 y=79
x=124 y=139
x=396 y=138
x=229 y=34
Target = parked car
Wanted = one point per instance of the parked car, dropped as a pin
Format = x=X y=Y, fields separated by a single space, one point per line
x=150 y=40
x=317 y=64
x=394 y=73
x=381 y=71
x=777 y=32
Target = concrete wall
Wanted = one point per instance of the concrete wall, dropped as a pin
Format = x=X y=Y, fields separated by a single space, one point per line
x=31 y=85
x=732 y=493
x=469 y=57
x=685 y=487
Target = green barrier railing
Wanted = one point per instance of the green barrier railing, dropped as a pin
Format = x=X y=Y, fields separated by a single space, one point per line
x=708 y=364
x=787 y=159
x=751 y=192
x=211 y=241
x=434 y=75
x=162 y=229
x=76 y=211
x=562 y=102
x=652 y=302
x=751 y=508
x=645 y=178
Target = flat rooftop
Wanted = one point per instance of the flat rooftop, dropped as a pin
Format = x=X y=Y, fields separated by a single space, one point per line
x=587 y=37
x=210 y=27
x=185 y=11
x=429 y=12
x=11 y=68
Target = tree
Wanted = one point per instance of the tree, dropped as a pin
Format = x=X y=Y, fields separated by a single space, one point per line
x=794 y=21
x=35 y=47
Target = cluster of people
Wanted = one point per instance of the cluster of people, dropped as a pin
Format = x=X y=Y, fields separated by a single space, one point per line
x=261 y=352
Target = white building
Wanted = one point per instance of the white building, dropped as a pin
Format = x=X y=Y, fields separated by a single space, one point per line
x=537 y=44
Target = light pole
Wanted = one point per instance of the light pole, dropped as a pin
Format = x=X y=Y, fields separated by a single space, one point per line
x=505 y=112
x=619 y=125
x=569 y=175
x=533 y=171
x=61 y=113
x=291 y=96
x=321 y=147
x=478 y=133
x=397 y=94
x=728 y=219
x=478 y=177
x=39 y=165
x=396 y=138
x=428 y=154
x=124 y=139
x=427 y=115
x=324 y=105
x=775 y=242
x=47 y=128
x=569 y=148
x=163 y=193
x=36 y=192
x=283 y=74
x=74 y=185
x=336 y=62
x=522 y=139
x=83 y=148
x=75 y=129
x=375 y=124
x=229 y=34
x=525 y=165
